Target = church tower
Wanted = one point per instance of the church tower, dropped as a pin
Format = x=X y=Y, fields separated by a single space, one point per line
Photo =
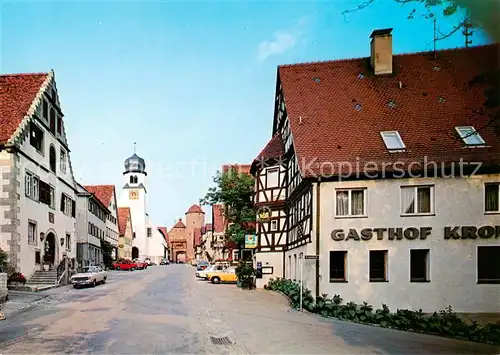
x=134 y=196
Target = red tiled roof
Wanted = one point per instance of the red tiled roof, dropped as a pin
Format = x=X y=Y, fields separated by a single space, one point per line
x=104 y=193
x=208 y=227
x=123 y=216
x=218 y=218
x=197 y=236
x=195 y=209
x=17 y=93
x=164 y=232
x=240 y=168
x=179 y=224
x=273 y=150
x=337 y=109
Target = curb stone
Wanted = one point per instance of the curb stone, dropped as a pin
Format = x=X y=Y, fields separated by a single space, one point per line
x=28 y=306
x=388 y=327
x=290 y=302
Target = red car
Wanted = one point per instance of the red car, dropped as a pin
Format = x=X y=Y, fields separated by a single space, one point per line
x=125 y=265
x=141 y=264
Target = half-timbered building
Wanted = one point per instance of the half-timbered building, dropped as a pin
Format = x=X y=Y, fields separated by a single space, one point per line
x=388 y=179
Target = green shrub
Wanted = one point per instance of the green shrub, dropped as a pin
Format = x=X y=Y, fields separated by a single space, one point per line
x=444 y=322
x=244 y=273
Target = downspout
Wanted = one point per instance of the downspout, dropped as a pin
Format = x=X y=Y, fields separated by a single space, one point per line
x=318 y=204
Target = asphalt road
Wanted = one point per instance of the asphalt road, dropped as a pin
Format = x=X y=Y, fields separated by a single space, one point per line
x=165 y=310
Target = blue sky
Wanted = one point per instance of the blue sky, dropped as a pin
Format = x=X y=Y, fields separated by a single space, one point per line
x=192 y=83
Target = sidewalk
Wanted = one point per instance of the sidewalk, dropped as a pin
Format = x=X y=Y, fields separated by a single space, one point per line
x=22 y=301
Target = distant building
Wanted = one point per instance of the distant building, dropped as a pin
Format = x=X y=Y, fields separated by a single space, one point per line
x=148 y=241
x=382 y=179
x=126 y=233
x=91 y=219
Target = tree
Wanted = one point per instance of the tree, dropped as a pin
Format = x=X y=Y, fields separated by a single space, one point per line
x=234 y=191
x=107 y=253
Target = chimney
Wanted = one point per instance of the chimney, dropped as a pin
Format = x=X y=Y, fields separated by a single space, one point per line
x=381 y=51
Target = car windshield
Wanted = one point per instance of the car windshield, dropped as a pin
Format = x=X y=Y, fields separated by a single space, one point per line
x=90 y=269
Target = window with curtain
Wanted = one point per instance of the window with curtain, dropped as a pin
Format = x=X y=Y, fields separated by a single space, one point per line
x=491 y=197
x=417 y=199
x=350 y=202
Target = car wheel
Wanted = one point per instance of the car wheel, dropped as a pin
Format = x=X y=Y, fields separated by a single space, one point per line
x=117 y=268
x=103 y=281
x=132 y=268
x=216 y=280
x=75 y=286
x=94 y=284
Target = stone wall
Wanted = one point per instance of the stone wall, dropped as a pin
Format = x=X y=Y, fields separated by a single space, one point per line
x=3 y=287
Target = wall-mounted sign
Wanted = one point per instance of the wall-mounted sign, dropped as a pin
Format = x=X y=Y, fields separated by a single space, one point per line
x=412 y=233
x=263 y=213
x=133 y=195
x=311 y=257
x=250 y=241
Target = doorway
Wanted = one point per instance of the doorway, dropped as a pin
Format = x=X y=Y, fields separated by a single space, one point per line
x=49 y=256
x=135 y=253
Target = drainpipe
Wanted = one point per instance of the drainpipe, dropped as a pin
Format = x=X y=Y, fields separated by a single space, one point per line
x=318 y=204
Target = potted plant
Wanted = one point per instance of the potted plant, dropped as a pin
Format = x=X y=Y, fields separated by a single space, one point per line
x=16 y=279
x=245 y=273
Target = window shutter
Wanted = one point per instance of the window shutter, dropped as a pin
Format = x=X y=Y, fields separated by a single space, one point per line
x=62 y=202
x=73 y=209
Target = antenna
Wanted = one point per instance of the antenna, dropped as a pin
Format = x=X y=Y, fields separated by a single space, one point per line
x=135 y=147
x=467 y=33
x=435 y=37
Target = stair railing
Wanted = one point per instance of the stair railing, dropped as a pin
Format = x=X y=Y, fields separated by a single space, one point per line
x=61 y=270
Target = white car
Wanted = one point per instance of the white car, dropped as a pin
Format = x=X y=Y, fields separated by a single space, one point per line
x=90 y=276
x=203 y=274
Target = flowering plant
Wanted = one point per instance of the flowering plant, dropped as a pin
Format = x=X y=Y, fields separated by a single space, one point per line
x=17 y=277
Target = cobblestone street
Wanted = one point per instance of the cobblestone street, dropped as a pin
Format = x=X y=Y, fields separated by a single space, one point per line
x=165 y=310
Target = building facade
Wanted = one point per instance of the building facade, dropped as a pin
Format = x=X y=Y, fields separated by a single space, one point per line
x=148 y=241
x=177 y=237
x=391 y=193
x=106 y=194
x=126 y=232
x=92 y=215
x=38 y=191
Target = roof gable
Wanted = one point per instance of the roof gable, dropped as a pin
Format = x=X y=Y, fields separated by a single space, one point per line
x=337 y=109
x=218 y=218
x=19 y=96
x=274 y=149
x=123 y=217
x=104 y=193
x=164 y=232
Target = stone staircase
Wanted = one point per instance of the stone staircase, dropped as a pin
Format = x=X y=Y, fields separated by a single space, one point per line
x=43 y=278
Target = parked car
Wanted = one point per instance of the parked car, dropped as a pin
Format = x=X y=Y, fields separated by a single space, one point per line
x=90 y=276
x=202 y=265
x=202 y=274
x=125 y=265
x=226 y=276
x=150 y=262
x=164 y=261
x=141 y=264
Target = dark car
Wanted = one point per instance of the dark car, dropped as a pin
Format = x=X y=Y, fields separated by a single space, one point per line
x=164 y=262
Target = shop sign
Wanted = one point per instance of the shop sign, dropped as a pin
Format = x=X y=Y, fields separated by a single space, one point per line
x=412 y=233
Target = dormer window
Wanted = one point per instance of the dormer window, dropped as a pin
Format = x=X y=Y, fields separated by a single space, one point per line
x=469 y=135
x=393 y=141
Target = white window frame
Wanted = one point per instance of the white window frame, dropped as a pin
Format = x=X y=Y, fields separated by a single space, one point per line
x=276 y=225
x=484 y=197
x=31 y=185
x=349 y=214
x=416 y=213
x=62 y=160
x=273 y=170
x=68 y=205
x=68 y=245
x=465 y=136
x=34 y=242
x=384 y=135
